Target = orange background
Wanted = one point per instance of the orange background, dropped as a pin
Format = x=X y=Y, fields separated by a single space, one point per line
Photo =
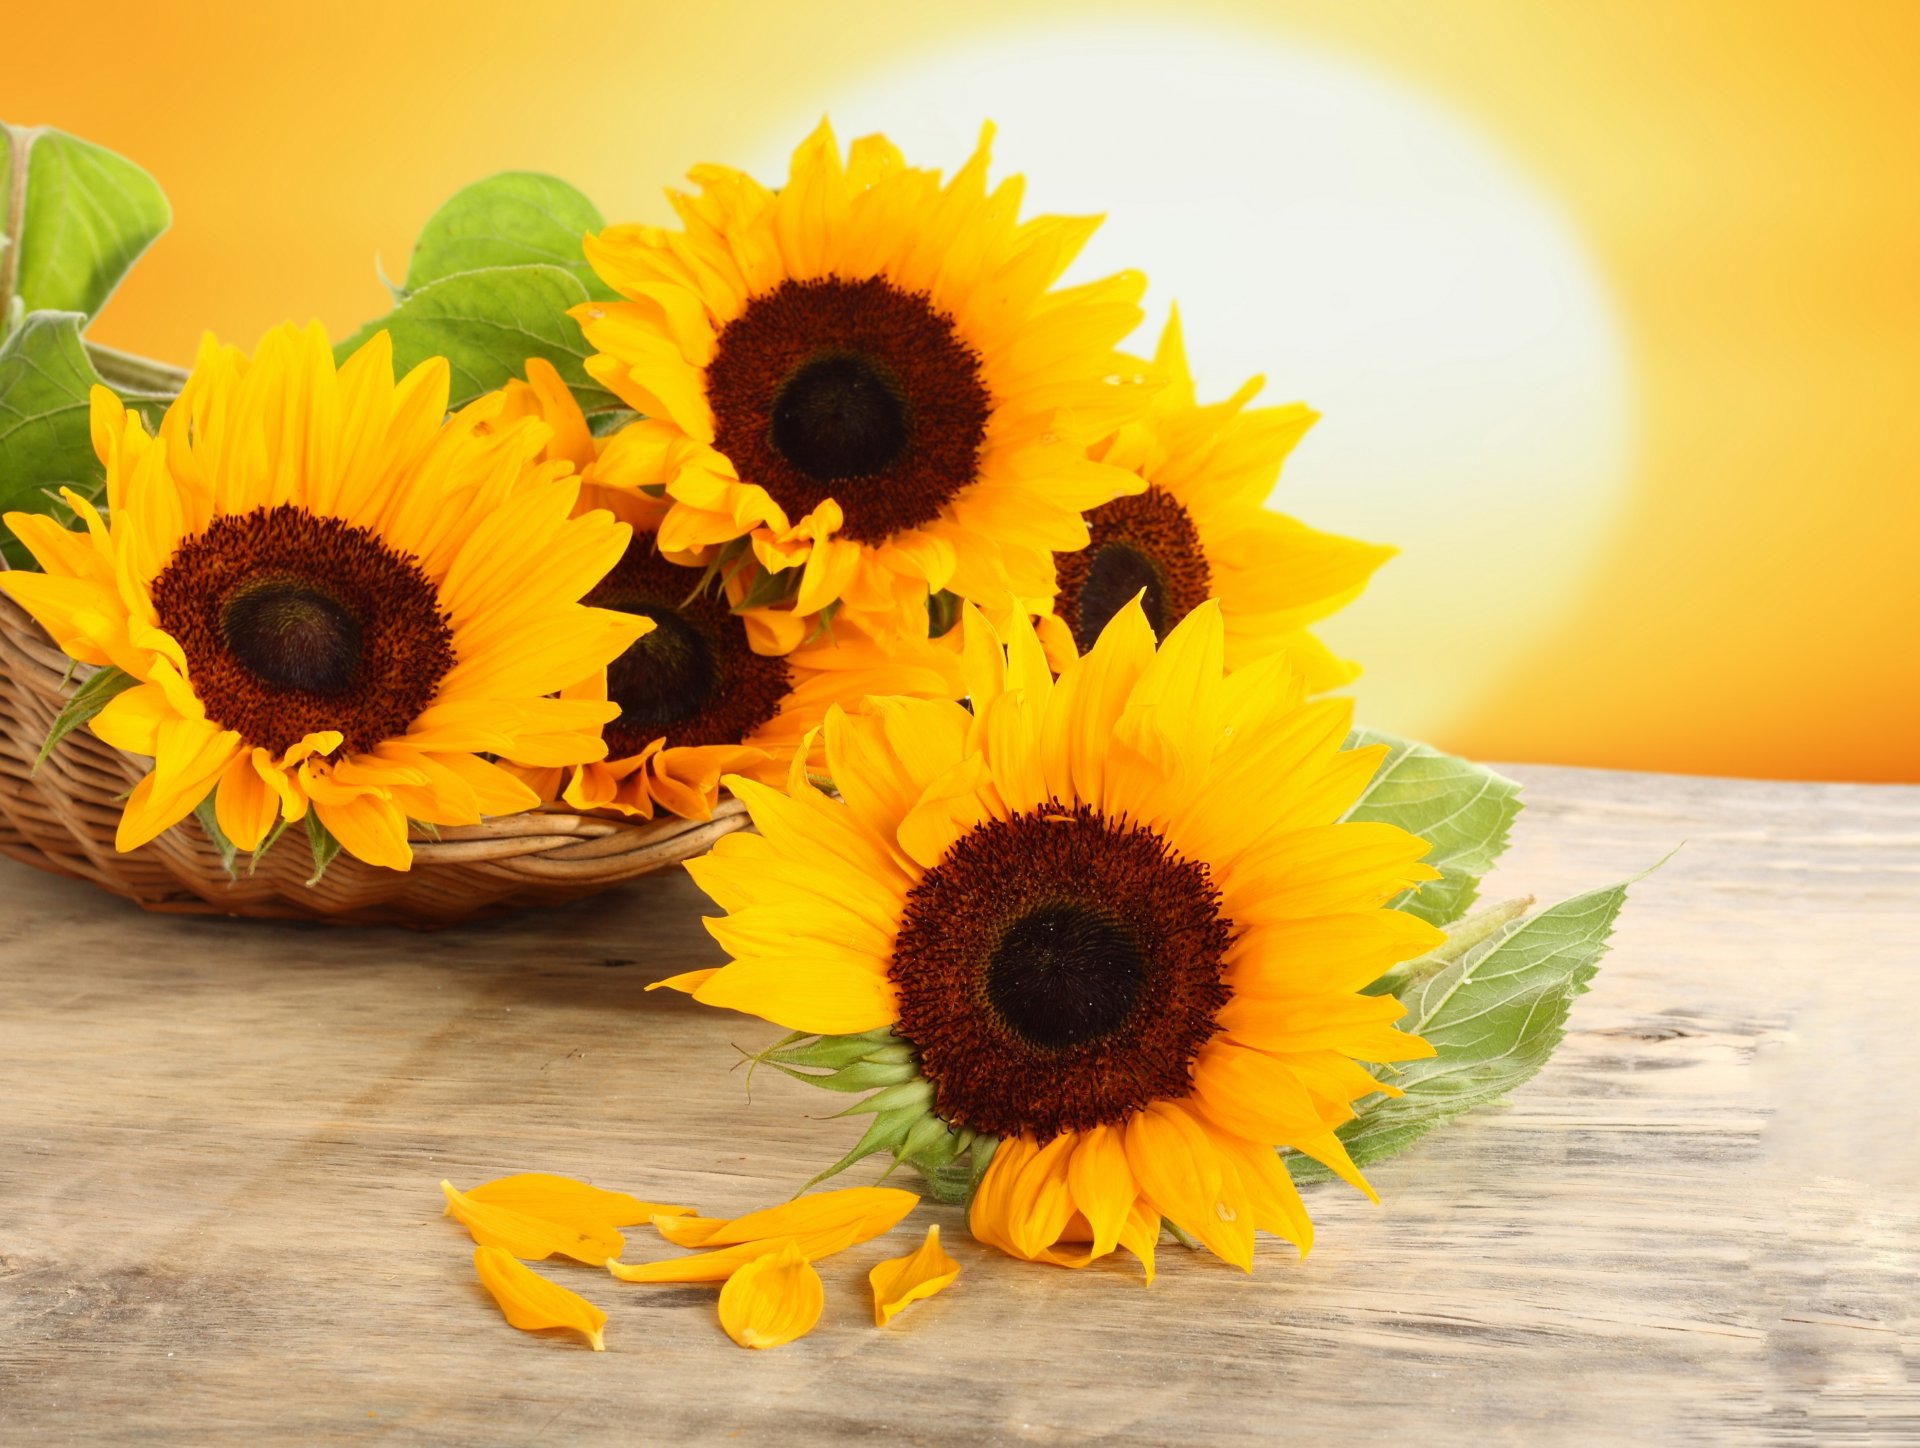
x=1746 y=176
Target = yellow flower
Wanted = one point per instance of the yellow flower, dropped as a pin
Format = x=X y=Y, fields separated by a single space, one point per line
x=1115 y=917
x=900 y=1280
x=585 y=1239
x=870 y=377
x=533 y=1304
x=1201 y=530
x=772 y=1300
x=331 y=597
x=715 y=688
x=574 y=1203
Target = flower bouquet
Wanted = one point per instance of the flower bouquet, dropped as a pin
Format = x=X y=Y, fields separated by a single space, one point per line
x=833 y=510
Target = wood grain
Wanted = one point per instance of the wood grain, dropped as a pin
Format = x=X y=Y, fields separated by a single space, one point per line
x=219 y=1144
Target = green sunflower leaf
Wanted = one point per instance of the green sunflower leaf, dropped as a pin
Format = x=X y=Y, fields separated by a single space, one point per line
x=1461 y=809
x=76 y=218
x=1494 y=1016
x=487 y=324
x=85 y=702
x=516 y=218
x=45 y=442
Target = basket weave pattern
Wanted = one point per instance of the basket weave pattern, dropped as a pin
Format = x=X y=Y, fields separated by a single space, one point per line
x=63 y=818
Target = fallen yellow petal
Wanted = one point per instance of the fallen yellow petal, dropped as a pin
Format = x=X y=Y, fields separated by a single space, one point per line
x=870 y=1210
x=719 y=1265
x=900 y=1280
x=688 y=981
x=562 y=1199
x=772 y=1299
x=531 y=1237
x=530 y=1302
x=689 y=1231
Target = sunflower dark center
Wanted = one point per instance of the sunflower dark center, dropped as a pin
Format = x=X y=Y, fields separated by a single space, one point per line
x=840 y=417
x=1146 y=543
x=664 y=679
x=1064 y=974
x=293 y=637
x=1056 y=970
x=293 y=624
x=850 y=390
x=1116 y=574
x=693 y=680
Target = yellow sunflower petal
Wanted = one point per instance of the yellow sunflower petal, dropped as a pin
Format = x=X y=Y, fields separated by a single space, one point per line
x=901 y=1280
x=869 y=1211
x=491 y=1225
x=531 y=1303
x=723 y=1262
x=771 y=1300
x=243 y=803
x=569 y=1202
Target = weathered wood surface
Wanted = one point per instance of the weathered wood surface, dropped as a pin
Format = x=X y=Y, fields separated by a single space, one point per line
x=219 y=1144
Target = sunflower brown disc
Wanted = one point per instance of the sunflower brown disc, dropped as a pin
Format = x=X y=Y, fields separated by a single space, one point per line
x=851 y=390
x=293 y=624
x=1057 y=970
x=1146 y=541
x=694 y=679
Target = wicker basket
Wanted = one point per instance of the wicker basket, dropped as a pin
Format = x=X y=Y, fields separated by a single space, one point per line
x=63 y=819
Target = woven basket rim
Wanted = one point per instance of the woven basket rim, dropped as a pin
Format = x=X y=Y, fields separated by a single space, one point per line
x=62 y=817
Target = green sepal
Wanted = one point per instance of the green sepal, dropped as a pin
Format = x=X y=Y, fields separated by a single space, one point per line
x=955 y=1182
x=273 y=838
x=83 y=704
x=770 y=589
x=324 y=846
x=914 y=1094
x=210 y=822
x=828 y=1053
x=905 y=1124
x=857 y=1076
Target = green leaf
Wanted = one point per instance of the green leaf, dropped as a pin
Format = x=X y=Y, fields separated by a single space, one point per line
x=487 y=324
x=77 y=218
x=516 y=218
x=45 y=442
x=1462 y=936
x=85 y=702
x=1461 y=809
x=1493 y=1017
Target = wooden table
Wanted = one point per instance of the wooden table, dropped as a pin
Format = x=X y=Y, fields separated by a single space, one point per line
x=219 y=1144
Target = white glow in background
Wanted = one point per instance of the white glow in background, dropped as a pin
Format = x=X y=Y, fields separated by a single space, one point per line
x=1373 y=255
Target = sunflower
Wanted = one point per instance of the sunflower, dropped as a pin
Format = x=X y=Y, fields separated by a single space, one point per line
x=1200 y=530
x=1098 y=953
x=329 y=596
x=716 y=688
x=876 y=386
